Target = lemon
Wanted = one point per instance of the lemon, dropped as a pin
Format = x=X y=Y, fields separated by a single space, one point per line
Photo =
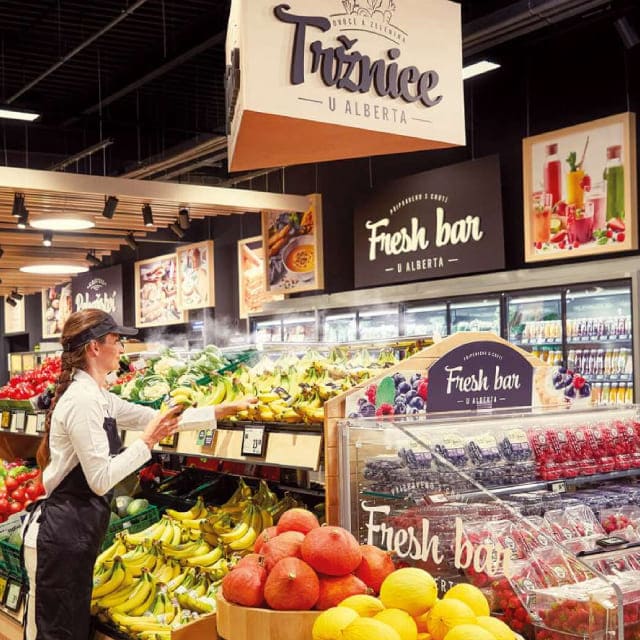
x=471 y=596
x=410 y=589
x=368 y=629
x=447 y=614
x=330 y=623
x=365 y=605
x=469 y=632
x=498 y=628
x=401 y=621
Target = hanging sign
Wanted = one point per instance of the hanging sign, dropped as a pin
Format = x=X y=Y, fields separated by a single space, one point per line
x=435 y=224
x=99 y=289
x=309 y=81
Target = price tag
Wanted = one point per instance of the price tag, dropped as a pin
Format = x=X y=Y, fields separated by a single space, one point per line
x=40 y=422
x=559 y=487
x=19 y=421
x=169 y=441
x=5 y=420
x=201 y=437
x=437 y=498
x=208 y=439
x=254 y=441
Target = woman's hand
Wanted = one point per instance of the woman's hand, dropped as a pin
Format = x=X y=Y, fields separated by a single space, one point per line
x=162 y=425
x=228 y=409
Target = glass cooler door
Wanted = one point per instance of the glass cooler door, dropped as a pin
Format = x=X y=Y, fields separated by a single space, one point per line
x=534 y=322
x=340 y=327
x=379 y=324
x=267 y=331
x=302 y=328
x=599 y=339
x=481 y=314
x=425 y=320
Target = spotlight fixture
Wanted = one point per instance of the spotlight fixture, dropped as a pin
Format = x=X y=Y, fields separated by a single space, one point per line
x=9 y=300
x=175 y=227
x=183 y=219
x=16 y=296
x=131 y=241
x=23 y=219
x=47 y=237
x=147 y=215
x=93 y=260
x=18 y=205
x=110 y=204
x=627 y=32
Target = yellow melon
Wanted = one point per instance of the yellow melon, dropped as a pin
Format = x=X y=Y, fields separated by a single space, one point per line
x=498 y=628
x=471 y=596
x=369 y=629
x=447 y=614
x=410 y=589
x=469 y=632
x=401 y=621
x=330 y=623
x=365 y=605
x=424 y=636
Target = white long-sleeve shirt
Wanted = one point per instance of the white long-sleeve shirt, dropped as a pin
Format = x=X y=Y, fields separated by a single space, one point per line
x=77 y=436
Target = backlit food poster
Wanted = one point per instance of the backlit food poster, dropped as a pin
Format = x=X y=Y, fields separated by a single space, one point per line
x=195 y=276
x=157 y=292
x=57 y=306
x=252 y=291
x=293 y=241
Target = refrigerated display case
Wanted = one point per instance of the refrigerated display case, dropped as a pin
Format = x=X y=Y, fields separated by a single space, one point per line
x=425 y=320
x=379 y=324
x=599 y=338
x=298 y=328
x=479 y=314
x=340 y=327
x=534 y=322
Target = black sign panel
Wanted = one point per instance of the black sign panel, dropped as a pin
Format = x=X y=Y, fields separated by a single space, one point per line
x=480 y=374
x=100 y=289
x=434 y=224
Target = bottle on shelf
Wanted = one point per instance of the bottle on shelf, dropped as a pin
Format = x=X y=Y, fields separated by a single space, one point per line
x=553 y=174
x=614 y=175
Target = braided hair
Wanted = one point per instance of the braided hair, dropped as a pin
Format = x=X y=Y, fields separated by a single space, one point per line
x=71 y=360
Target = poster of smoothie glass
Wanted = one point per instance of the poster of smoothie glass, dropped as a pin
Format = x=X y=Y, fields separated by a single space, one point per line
x=580 y=190
x=195 y=276
x=293 y=249
x=57 y=306
x=156 y=292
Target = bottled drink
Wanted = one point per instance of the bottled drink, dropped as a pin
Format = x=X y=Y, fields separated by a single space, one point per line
x=628 y=395
x=604 y=396
x=552 y=173
x=596 y=393
x=607 y=363
x=613 y=394
x=571 y=359
x=622 y=391
x=578 y=361
x=614 y=175
x=599 y=370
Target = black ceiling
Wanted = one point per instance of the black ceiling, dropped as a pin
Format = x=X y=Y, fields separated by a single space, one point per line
x=153 y=83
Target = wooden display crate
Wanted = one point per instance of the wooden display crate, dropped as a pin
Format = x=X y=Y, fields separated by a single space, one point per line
x=204 y=628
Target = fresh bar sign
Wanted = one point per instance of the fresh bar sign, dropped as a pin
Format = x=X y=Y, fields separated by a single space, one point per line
x=435 y=224
x=99 y=289
x=348 y=77
x=480 y=375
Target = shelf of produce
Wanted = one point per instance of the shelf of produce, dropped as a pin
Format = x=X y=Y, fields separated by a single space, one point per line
x=204 y=628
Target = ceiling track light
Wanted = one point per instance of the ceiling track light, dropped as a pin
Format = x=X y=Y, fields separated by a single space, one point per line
x=175 y=227
x=15 y=295
x=23 y=219
x=47 y=238
x=131 y=241
x=110 y=204
x=10 y=301
x=18 y=208
x=147 y=215
x=93 y=260
x=183 y=219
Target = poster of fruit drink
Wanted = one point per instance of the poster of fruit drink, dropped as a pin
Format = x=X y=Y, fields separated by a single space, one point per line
x=580 y=190
x=57 y=306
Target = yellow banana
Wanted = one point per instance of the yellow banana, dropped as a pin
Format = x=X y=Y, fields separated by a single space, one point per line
x=199 y=510
x=116 y=549
x=217 y=394
x=117 y=597
x=207 y=559
x=116 y=578
x=196 y=547
x=247 y=541
x=139 y=596
x=154 y=532
x=192 y=524
x=177 y=581
x=241 y=528
x=139 y=624
x=266 y=518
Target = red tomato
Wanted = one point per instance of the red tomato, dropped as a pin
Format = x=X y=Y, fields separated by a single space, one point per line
x=18 y=494
x=10 y=483
x=32 y=491
x=4 y=506
x=15 y=507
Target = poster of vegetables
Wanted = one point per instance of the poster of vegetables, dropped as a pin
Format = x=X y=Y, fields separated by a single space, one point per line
x=195 y=276
x=57 y=306
x=293 y=247
x=252 y=290
x=14 y=319
x=580 y=190
x=156 y=292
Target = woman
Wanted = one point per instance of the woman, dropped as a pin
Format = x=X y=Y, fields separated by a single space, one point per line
x=83 y=460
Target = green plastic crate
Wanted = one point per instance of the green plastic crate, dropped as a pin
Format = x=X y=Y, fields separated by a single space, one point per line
x=10 y=557
x=132 y=524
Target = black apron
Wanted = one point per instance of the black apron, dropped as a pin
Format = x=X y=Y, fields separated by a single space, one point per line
x=73 y=523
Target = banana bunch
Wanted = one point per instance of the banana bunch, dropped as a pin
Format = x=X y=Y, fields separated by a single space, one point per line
x=117 y=548
x=242 y=537
x=182 y=395
x=264 y=497
x=167 y=570
x=185 y=550
x=204 y=603
x=142 y=558
x=165 y=530
x=111 y=579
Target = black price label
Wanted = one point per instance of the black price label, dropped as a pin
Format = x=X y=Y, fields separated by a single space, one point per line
x=254 y=441
x=40 y=422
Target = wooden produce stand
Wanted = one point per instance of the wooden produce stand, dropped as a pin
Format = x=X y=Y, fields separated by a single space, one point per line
x=335 y=407
x=204 y=628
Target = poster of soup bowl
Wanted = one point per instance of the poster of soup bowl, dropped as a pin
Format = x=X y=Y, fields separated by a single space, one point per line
x=57 y=306
x=156 y=284
x=293 y=249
